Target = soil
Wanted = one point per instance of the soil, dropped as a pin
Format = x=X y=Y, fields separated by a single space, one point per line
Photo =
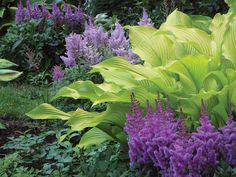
x=15 y=127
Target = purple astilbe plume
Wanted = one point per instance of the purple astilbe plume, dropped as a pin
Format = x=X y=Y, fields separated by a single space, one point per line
x=20 y=13
x=36 y=12
x=152 y=137
x=45 y=13
x=57 y=15
x=58 y=73
x=74 y=43
x=78 y=14
x=72 y=18
x=229 y=140
x=145 y=21
x=29 y=10
x=95 y=35
x=119 y=45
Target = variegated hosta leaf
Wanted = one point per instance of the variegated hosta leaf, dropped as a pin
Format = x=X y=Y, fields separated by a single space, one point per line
x=8 y=74
x=6 y=64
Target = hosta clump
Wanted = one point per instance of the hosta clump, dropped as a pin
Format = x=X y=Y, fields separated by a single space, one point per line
x=94 y=45
x=68 y=16
x=161 y=139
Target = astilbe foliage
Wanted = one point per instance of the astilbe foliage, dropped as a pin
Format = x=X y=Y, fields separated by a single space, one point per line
x=163 y=141
x=145 y=20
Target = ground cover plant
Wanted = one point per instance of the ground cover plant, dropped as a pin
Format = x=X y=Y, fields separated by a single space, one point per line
x=79 y=63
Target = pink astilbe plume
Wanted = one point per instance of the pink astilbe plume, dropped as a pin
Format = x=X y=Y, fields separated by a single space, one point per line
x=58 y=73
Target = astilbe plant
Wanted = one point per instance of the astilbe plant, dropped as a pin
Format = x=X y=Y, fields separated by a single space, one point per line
x=58 y=73
x=70 y=17
x=163 y=141
x=145 y=20
x=95 y=45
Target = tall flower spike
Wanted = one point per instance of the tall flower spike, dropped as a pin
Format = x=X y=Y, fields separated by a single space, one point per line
x=56 y=16
x=58 y=73
x=20 y=12
x=145 y=21
x=36 y=12
x=29 y=10
x=229 y=139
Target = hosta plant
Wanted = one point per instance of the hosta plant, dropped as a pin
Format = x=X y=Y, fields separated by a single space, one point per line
x=7 y=74
x=188 y=58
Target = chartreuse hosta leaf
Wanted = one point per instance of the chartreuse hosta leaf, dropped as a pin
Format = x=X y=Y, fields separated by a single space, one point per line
x=93 y=136
x=153 y=46
x=7 y=74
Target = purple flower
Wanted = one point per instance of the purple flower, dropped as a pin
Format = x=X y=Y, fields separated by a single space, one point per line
x=57 y=73
x=73 y=46
x=29 y=10
x=95 y=35
x=229 y=140
x=36 y=12
x=45 y=13
x=20 y=12
x=145 y=21
x=57 y=15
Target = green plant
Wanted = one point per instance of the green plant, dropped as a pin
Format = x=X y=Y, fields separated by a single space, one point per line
x=182 y=59
x=35 y=46
x=7 y=74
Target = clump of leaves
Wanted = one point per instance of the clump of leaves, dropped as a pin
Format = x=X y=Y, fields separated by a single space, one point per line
x=34 y=45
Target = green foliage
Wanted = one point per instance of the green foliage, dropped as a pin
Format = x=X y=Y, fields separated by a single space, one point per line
x=181 y=60
x=43 y=155
x=7 y=74
x=35 y=46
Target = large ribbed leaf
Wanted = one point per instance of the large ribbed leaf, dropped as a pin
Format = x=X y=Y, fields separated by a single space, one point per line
x=92 y=137
x=177 y=18
x=199 y=39
x=153 y=46
x=115 y=114
x=47 y=111
x=80 y=89
x=229 y=43
x=192 y=71
x=232 y=5
x=201 y=22
x=8 y=74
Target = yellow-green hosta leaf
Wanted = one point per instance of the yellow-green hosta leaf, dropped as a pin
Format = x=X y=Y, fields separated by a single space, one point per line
x=232 y=5
x=215 y=80
x=201 y=22
x=8 y=74
x=229 y=43
x=192 y=71
x=80 y=89
x=177 y=18
x=47 y=111
x=153 y=46
x=92 y=137
x=115 y=114
x=199 y=39
x=182 y=49
x=123 y=65
x=6 y=64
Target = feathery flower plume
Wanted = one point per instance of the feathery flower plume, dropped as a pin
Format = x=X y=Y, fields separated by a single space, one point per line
x=145 y=20
x=58 y=73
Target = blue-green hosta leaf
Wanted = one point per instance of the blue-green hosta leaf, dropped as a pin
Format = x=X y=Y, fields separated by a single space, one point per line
x=6 y=64
x=93 y=137
x=80 y=89
x=8 y=74
x=192 y=71
x=47 y=111
x=153 y=46
x=229 y=43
